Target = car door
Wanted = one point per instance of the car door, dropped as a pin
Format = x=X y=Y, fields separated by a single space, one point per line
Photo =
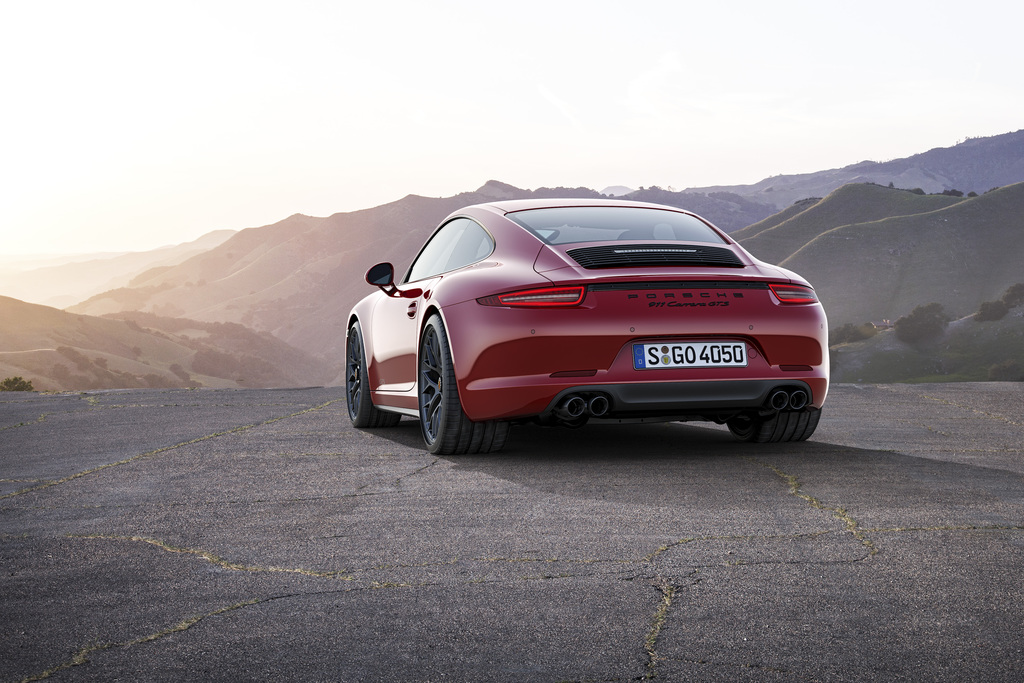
x=397 y=320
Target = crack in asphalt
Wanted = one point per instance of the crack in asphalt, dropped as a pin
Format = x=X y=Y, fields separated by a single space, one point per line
x=839 y=513
x=651 y=557
x=668 y=592
x=39 y=420
x=164 y=449
x=398 y=482
x=347 y=574
x=217 y=560
x=82 y=656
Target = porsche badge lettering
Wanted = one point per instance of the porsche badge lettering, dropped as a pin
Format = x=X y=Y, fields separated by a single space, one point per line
x=687 y=295
x=679 y=300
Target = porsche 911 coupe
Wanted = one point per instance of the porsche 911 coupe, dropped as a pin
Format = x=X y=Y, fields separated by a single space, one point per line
x=560 y=311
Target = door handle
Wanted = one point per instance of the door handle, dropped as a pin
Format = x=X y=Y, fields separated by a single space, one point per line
x=411 y=312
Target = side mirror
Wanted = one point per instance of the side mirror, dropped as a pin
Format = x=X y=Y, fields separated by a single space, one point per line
x=381 y=275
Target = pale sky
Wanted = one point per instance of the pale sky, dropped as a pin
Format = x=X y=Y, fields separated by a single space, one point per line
x=131 y=125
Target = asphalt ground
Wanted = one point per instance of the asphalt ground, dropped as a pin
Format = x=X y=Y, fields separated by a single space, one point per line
x=255 y=535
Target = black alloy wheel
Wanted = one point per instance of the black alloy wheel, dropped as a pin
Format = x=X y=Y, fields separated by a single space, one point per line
x=431 y=385
x=446 y=429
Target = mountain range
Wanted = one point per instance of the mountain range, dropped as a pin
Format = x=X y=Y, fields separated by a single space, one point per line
x=66 y=281
x=973 y=165
x=872 y=251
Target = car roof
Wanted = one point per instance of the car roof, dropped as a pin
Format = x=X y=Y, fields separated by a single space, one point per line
x=512 y=205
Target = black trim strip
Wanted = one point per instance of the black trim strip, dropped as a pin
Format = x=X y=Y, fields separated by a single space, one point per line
x=675 y=284
x=621 y=255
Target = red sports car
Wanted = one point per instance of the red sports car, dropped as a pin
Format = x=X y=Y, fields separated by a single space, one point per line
x=561 y=311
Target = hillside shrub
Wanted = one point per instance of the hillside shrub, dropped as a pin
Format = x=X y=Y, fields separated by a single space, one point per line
x=922 y=324
x=16 y=384
x=1014 y=295
x=845 y=334
x=1007 y=371
x=180 y=373
x=991 y=310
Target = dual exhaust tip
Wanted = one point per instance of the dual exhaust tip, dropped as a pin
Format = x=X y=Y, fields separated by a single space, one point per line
x=576 y=406
x=793 y=399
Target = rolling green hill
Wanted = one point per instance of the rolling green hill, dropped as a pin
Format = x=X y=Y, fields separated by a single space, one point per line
x=775 y=219
x=959 y=256
x=850 y=204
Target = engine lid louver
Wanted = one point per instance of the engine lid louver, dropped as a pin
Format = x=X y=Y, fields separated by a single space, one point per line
x=621 y=255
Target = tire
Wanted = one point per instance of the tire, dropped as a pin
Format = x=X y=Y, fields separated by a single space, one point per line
x=361 y=410
x=780 y=427
x=446 y=429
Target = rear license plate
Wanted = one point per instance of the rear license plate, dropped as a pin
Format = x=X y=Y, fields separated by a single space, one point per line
x=690 y=355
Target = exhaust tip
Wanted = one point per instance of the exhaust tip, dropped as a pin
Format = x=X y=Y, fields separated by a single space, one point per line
x=573 y=407
x=798 y=399
x=598 y=405
x=778 y=400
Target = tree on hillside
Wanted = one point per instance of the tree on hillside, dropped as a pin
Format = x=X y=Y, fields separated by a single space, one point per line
x=1014 y=296
x=996 y=310
x=16 y=384
x=1007 y=371
x=991 y=310
x=923 y=323
x=851 y=333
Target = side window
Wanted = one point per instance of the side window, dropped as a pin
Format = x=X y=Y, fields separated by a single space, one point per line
x=459 y=243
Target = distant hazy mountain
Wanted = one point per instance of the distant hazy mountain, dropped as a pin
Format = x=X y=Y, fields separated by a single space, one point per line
x=875 y=253
x=974 y=165
x=57 y=350
x=617 y=190
x=64 y=281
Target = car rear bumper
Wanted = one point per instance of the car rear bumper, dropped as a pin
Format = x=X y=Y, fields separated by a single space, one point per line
x=513 y=364
x=698 y=398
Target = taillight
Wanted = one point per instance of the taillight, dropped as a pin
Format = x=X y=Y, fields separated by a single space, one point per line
x=794 y=294
x=548 y=296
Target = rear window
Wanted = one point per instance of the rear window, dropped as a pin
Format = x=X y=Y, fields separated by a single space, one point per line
x=567 y=225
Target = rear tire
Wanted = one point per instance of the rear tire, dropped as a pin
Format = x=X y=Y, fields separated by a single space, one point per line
x=780 y=427
x=446 y=429
x=361 y=410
